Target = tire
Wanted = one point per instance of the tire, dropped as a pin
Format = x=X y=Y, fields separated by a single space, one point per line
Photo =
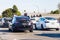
x=42 y=26
x=57 y=29
x=10 y=29
x=31 y=30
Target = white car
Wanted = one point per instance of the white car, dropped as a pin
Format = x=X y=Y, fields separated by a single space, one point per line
x=34 y=19
x=47 y=23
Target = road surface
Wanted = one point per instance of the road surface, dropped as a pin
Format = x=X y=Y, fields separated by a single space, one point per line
x=36 y=35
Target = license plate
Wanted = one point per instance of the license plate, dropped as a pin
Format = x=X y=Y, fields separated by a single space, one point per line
x=24 y=23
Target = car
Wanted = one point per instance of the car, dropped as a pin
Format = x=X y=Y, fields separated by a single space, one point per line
x=9 y=21
x=5 y=23
x=47 y=23
x=1 y=22
x=34 y=19
x=21 y=23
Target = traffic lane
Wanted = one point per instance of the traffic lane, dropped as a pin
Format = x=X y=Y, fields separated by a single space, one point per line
x=36 y=35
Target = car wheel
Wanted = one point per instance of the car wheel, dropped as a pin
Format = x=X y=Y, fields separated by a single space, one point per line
x=57 y=29
x=10 y=29
x=31 y=30
x=42 y=26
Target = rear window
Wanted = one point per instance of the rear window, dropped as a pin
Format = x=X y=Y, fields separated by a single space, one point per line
x=49 y=18
x=22 y=18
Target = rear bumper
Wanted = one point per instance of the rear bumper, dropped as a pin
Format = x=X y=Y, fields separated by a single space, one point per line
x=52 y=26
x=22 y=27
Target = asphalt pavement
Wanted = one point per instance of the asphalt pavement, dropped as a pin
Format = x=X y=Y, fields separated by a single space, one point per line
x=35 y=35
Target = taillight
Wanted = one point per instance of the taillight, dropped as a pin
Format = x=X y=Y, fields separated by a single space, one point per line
x=46 y=21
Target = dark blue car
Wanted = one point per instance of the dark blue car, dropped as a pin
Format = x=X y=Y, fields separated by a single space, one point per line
x=21 y=23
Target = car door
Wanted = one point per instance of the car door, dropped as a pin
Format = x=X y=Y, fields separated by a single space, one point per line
x=39 y=22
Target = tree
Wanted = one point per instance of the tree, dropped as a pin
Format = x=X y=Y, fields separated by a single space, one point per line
x=15 y=10
x=54 y=12
x=18 y=13
x=51 y=12
x=7 y=13
x=11 y=11
x=40 y=15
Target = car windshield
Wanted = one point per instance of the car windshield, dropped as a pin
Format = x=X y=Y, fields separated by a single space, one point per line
x=50 y=18
x=42 y=19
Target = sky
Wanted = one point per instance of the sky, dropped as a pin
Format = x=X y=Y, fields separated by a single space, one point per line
x=30 y=5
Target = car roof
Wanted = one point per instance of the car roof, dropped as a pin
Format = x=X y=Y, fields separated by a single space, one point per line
x=22 y=17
